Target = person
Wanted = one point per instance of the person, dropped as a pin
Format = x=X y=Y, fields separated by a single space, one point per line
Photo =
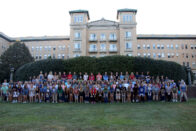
x=37 y=94
x=50 y=76
x=85 y=77
x=162 y=91
x=81 y=94
x=54 y=94
x=4 y=91
x=76 y=93
x=71 y=93
x=135 y=92
x=123 y=92
x=168 y=91
x=156 y=92
x=99 y=94
x=47 y=96
x=129 y=93
x=149 y=90
x=121 y=76
x=80 y=77
x=105 y=77
x=174 y=93
x=183 y=90
x=25 y=93
x=93 y=93
x=60 y=94
x=69 y=76
x=99 y=77
x=142 y=92
x=19 y=93
x=111 y=94
x=91 y=77
x=66 y=94
x=9 y=94
x=64 y=76
x=75 y=77
x=118 y=93
x=87 y=92
x=15 y=94
x=105 y=94
x=31 y=93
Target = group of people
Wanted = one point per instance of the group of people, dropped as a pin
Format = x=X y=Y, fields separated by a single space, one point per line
x=90 y=88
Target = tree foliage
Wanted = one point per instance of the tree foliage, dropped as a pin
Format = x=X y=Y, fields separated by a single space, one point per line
x=14 y=57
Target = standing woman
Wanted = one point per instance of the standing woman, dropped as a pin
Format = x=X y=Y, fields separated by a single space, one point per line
x=20 y=93
x=162 y=91
x=135 y=92
x=66 y=93
x=87 y=92
x=129 y=93
x=60 y=94
x=123 y=90
x=142 y=92
x=105 y=94
x=54 y=94
x=111 y=93
x=183 y=90
x=169 y=91
x=25 y=93
x=93 y=93
x=99 y=93
x=117 y=92
x=37 y=94
x=71 y=94
x=31 y=93
x=76 y=93
x=9 y=94
x=174 y=93
x=81 y=94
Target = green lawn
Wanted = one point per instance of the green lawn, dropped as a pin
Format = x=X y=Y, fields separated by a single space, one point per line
x=137 y=116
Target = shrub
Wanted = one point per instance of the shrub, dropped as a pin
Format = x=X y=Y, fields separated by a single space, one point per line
x=104 y=64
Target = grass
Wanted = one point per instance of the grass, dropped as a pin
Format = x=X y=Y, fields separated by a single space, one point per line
x=130 y=116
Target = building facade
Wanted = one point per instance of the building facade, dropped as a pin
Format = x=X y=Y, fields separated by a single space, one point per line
x=105 y=37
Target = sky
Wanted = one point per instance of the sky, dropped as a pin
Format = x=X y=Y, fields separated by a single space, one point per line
x=20 y=18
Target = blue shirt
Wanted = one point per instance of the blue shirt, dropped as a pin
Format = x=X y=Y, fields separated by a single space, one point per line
x=105 y=77
x=142 y=90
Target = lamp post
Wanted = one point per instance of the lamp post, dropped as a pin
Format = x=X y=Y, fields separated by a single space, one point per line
x=189 y=74
x=11 y=74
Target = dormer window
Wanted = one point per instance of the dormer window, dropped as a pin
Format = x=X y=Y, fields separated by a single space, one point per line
x=78 y=18
x=127 y=18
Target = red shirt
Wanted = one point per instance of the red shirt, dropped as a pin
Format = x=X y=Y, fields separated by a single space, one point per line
x=69 y=76
x=93 y=91
x=99 y=77
x=92 y=77
x=131 y=77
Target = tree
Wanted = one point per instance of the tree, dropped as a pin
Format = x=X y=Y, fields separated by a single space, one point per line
x=15 y=56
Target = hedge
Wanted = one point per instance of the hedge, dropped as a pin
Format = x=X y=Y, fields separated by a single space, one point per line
x=103 y=64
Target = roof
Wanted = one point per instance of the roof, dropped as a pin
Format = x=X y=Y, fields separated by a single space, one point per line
x=126 y=10
x=30 y=38
x=152 y=36
x=80 y=11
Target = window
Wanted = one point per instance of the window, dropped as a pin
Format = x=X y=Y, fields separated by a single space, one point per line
x=154 y=55
x=45 y=56
x=172 y=47
x=54 y=48
x=60 y=48
x=40 y=57
x=177 y=54
x=37 y=48
x=138 y=54
x=193 y=64
x=144 y=54
x=32 y=48
x=102 y=37
x=172 y=55
x=192 y=55
x=102 y=55
x=128 y=34
x=167 y=46
x=46 y=48
x=102 y=47
x=187 y=55
x=162 y=46
x=54 y=56
x=49 y=48
x=148 y=55
x=153 y=46
x=78 y=18
x=186 y=47
x=177 y=47
x=128 y=45
x=93 y=37
x=159 y=55
x=138 y=47
x=182 y=46
x=93 y=47
x=158 y=47
x=129 y=54
x=63 y=56
x=168 y=55
x=40 y=48
x=36 y=57
x=144 y=46
x=162 y=55
x=192 y=46
x=63 y=47
x=77 y=46
x=113 y=47
x=148 y=46
x=76 y=55
x=127 y=18
x=77 y=35
x=112 y=36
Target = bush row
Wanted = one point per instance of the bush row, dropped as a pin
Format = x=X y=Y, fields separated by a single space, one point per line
x=104 y=64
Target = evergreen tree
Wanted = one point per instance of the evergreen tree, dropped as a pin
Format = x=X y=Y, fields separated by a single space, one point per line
x=14 y=57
